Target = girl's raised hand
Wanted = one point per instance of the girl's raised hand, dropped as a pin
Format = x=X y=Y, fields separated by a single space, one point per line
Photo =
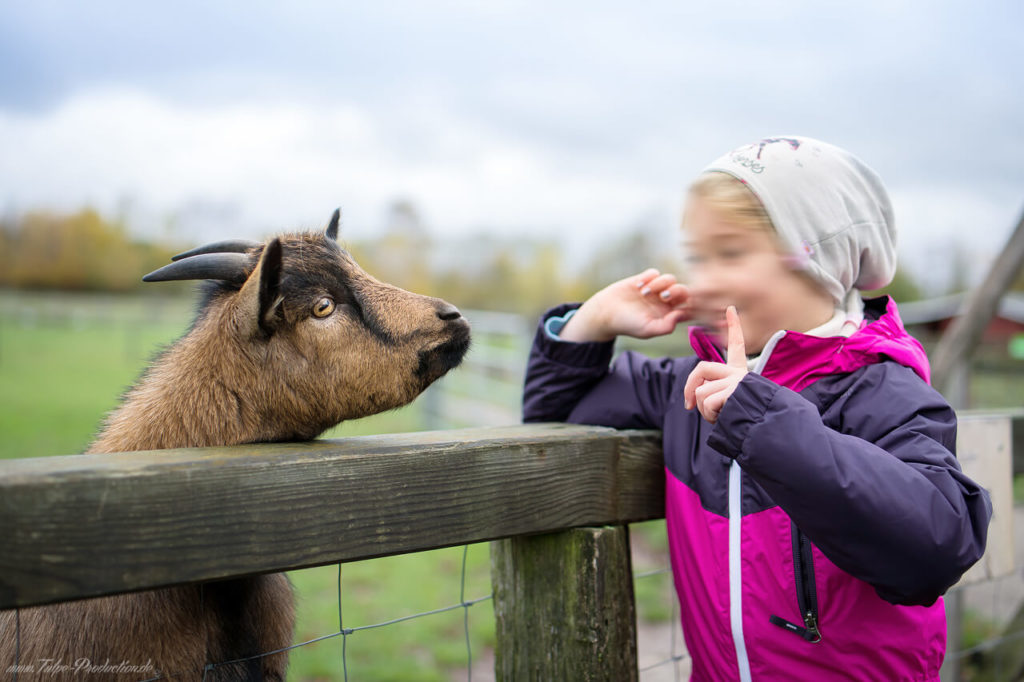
x=711 y=383
x=645 y=305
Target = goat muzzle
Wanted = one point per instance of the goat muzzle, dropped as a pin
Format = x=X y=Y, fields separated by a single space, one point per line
x=439 y=360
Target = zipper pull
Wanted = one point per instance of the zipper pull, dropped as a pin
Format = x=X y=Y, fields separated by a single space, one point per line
x=811 y=621
x=809 y=633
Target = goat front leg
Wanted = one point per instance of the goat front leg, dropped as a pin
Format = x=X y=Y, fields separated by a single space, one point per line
x=249 y=618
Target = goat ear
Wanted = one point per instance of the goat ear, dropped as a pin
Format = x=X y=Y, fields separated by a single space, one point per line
x=260 y=296
x=270 y=285
x=332 y=229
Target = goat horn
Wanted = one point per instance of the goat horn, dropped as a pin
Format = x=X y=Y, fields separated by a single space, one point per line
x=332 y=228
x=226 y=246
x=233 y=267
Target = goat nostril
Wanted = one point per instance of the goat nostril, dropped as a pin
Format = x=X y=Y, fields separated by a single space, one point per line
x=448 y=312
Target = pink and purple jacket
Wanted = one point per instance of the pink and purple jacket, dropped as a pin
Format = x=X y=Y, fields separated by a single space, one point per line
x=814 y=527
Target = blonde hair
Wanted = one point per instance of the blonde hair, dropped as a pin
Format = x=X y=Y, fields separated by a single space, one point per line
x=732 y=198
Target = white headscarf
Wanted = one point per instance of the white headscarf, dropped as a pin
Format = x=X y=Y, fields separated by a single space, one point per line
x=830 y=210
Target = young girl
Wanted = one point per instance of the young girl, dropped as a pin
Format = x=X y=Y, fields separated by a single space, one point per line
x=815 y=509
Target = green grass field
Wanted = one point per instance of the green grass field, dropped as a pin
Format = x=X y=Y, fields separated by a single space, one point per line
x=64 y=362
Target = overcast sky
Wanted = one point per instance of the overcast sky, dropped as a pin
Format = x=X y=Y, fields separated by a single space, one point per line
x=576 y=119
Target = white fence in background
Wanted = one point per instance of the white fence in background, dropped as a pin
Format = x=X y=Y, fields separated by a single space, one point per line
x=486 y=390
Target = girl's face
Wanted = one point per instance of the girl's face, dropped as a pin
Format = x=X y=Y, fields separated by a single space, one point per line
x=734 y=264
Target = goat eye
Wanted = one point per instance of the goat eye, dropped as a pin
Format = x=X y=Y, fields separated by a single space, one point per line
x=323 y=307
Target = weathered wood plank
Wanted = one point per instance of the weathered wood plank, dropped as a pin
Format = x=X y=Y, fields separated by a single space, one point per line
x=564 y=606
x=984 y=447
x=1016 y=417
x=86 y=525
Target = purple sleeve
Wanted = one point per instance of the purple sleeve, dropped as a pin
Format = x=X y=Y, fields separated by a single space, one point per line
x=871 y=479
x=576 y=382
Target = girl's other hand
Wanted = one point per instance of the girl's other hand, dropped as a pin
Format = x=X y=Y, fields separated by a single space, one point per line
x=645 y=305
x=711 y=383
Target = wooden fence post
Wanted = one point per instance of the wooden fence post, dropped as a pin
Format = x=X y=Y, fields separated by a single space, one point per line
x=959 y=341
x=563 y=604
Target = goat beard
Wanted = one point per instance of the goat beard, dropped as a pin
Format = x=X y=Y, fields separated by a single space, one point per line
x=436 y=362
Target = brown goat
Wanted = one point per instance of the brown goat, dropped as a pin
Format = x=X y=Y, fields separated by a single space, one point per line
x=292 y=338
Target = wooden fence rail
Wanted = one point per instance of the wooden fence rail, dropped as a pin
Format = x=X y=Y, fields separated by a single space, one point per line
x=86 y=525
x=560 y=496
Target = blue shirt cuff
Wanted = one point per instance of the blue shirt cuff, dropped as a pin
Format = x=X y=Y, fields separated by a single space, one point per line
x=553 y=325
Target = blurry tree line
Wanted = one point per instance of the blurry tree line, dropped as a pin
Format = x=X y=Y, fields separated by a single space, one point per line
x=512 y=274
x=87 y=252
x=80 y=251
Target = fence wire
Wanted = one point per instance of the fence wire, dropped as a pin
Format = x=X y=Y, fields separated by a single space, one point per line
x=994 y=619
x=345 y=633
x=674 y=659
x=677 y=653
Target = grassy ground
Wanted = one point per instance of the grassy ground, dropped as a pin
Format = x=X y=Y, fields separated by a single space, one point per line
x=64 y=362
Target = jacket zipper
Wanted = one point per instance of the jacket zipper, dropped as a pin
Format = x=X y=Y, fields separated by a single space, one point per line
x=806 y=593
x=735 y=570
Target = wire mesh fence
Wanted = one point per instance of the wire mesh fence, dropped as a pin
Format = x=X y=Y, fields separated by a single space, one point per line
x=659 y=666
x=988 y=643
x=659 y=661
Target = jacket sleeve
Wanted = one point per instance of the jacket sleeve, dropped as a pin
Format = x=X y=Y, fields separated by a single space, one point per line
x=880 y=493
x=573 y=382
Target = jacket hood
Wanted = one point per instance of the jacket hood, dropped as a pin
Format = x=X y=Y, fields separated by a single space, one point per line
x=797 y=360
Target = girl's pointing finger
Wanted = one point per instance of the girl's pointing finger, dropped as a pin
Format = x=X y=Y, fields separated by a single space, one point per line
x=736 y=353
